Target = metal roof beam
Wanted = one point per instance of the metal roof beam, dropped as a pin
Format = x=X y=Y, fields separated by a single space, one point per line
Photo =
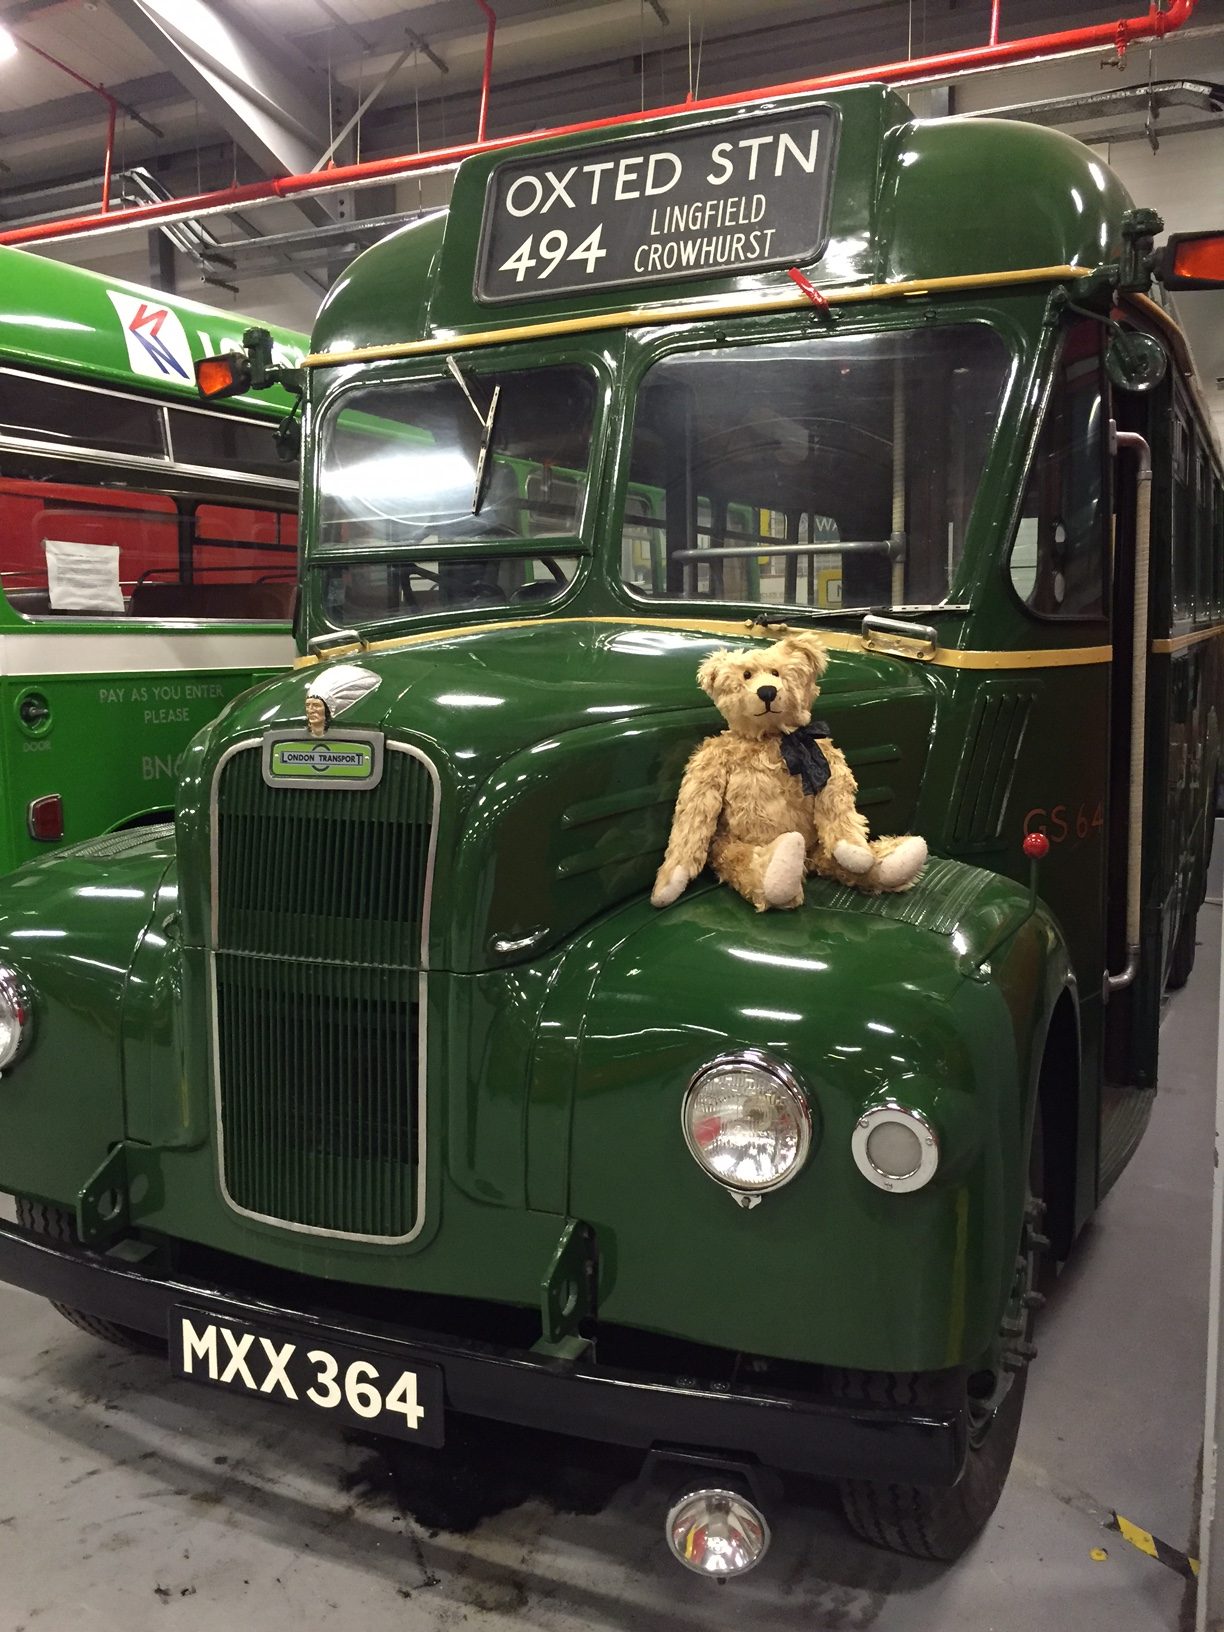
x=82 y=107
x=19 y=10
x=278 y=121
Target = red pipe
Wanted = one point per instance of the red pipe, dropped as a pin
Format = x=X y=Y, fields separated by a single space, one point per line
x=112 y=111
x=487 y=76
x=109 y=161
x=1118 y=36
x=996 y=7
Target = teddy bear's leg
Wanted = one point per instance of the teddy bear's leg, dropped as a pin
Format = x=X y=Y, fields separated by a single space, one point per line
x=768 y=875
x=897 y=861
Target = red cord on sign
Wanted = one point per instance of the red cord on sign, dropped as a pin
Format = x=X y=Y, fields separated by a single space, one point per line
x=810 y=290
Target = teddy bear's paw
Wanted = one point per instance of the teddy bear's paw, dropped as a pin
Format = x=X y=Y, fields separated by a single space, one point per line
x=669 y=889
x=855 y=858
x=783 y=880
x=902 y=865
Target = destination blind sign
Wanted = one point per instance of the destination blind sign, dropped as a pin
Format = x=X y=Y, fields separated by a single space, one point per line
x=730 y=197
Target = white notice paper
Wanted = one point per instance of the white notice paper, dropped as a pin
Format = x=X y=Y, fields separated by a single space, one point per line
x=83 y=577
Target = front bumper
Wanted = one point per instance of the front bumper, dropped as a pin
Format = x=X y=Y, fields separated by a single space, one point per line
x=790 y=1432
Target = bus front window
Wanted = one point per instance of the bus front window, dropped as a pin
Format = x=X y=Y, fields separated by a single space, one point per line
x=411 y=519
x=831 y=473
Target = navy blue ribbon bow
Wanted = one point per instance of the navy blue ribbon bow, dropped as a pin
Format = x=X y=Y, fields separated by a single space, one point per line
x=804 y=757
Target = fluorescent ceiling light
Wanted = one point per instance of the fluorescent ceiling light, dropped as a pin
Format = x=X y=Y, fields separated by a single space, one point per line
x=8 y=45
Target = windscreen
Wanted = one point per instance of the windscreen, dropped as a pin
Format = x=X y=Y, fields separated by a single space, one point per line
x=421 y=479
x=830 y=473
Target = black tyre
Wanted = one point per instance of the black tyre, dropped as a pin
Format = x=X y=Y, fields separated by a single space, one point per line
x=940 y=1521
x=1181 y=965
x=59 y=1225
x=935 y=1521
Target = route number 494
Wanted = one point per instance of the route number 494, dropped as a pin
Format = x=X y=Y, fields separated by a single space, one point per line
x=553 y=248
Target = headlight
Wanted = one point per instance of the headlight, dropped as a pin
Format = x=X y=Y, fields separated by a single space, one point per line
x=748 y=1123
x=895 y=1147
x=16 y=1017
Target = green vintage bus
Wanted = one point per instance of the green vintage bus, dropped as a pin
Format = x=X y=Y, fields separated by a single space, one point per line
x=404 y=1101
x=148 y=547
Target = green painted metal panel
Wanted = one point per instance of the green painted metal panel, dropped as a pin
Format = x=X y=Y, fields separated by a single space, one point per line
x=85 y=325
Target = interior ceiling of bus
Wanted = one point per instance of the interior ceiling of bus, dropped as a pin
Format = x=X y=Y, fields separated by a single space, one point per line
x=216 y=91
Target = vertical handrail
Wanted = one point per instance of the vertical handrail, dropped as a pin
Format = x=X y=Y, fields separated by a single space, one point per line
x=1138 y=724
x=995 y=8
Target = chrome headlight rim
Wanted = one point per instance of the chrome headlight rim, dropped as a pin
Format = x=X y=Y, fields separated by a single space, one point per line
x=757 y=1060
x=16 y=993
x=887 y=1112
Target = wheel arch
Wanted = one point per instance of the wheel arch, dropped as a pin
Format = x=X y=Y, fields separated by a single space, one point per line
x=153 y=816
x=1058 y=1098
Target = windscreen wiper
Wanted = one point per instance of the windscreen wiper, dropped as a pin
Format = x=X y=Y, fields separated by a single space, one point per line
x=486 y=429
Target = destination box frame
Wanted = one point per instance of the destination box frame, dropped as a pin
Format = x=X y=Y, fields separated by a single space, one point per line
x=624 y=147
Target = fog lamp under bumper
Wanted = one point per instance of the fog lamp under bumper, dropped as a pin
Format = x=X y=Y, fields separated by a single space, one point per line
x=717 y=1533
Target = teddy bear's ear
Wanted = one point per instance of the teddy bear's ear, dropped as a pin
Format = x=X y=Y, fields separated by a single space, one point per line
x=811 y=648
x=712 y=671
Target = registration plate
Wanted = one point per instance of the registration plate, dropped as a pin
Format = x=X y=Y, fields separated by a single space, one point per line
x=363 y=1388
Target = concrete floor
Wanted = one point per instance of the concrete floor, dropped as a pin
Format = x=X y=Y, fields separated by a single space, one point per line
x=128 y=1501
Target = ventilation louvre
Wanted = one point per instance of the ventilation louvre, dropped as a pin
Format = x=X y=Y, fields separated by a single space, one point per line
x=987 y=767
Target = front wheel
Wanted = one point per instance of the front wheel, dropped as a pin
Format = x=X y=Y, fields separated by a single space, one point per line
x=934 y=1521
x=1181 y=964
x=57 y=1224
x=940 y=1521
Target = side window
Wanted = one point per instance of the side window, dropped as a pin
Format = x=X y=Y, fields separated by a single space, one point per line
x=1058 y=559
x=77 y=416
x=77 y=552
x=1183 y=523
x=69 y=551
x=217 y=442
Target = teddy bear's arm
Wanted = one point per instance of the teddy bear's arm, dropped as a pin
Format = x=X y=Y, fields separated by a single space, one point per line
x=694 y=820
x=840 y=826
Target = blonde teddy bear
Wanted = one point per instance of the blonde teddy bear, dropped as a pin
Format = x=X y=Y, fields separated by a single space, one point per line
x=771 y=799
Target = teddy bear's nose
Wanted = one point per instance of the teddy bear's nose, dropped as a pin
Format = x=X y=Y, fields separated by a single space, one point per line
x=767 y=693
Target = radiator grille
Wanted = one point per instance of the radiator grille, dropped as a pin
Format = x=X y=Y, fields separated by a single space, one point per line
x=322 y=872
x=322 y=899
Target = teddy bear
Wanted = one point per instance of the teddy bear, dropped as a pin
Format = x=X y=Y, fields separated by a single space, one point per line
x=770 y=799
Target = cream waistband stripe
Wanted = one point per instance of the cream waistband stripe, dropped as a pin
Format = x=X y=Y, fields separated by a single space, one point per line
x=783 y=300
x=1178 y=643
x=130 y=651
x=836 y=640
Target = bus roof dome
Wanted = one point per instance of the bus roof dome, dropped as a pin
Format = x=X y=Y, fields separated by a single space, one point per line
x=850 y=187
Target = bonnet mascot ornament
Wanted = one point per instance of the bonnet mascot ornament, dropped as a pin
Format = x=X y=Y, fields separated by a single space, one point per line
x=770 y=799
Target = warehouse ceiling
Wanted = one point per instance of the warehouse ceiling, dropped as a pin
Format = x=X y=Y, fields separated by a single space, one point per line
x=554 y=60
x=216 y=91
